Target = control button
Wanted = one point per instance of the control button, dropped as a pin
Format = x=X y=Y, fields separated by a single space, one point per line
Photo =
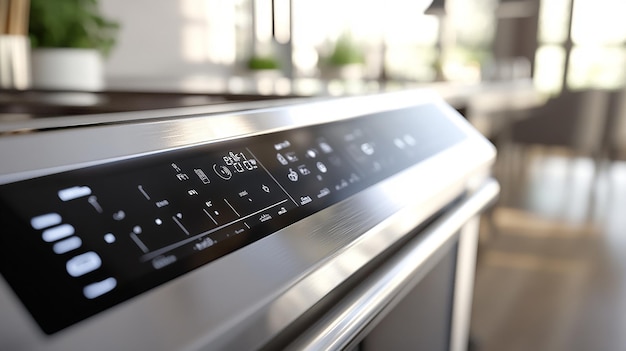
x=109 y=238
x=323 y=193
x=265 y=188
x=74 y=193
x=291 y=156
x=282 y=145
x=367 y=149
x=45 y=220
x=203 y=177
x=311 y=153
x=322 y=167
x=162 y=203
x=325 y=147
x=223 y=172
x=399 y=143
x=83 y=264
x=182 y=176
x=292 y=175
x=283 y=161
x=304 y=170
x=119 y=215
x=56 y=233
x=67 y=245
x=94 y=290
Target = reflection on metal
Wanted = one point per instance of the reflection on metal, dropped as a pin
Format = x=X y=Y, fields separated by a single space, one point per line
x=386 y=287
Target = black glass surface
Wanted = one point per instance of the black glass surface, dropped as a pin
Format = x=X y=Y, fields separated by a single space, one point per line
x=76 y=243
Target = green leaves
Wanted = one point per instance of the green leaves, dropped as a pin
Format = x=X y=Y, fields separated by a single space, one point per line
x=262 y=62
x=346 y=52
x=71 y=24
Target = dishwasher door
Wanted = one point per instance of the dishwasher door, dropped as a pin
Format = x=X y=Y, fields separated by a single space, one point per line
x=300 y=223
x=418 y=299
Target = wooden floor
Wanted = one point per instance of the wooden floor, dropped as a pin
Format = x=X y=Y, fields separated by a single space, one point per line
x=551 y=271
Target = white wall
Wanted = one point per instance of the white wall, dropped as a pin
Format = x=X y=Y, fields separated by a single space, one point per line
x=150 y=42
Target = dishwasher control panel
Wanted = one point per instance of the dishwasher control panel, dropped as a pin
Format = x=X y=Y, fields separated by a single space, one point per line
x=78 y=242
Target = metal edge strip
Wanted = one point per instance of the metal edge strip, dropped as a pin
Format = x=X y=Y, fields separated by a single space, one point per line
x=63 y=150
x=388 y=285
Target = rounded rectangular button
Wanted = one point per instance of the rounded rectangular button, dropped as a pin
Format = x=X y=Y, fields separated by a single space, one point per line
x=57 y=233
x=83 y=264
x=94 y=290
x=45 y=220
x=67 y=245
x=74 y=193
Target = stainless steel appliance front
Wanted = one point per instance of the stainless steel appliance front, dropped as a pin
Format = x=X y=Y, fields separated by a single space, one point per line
x=254 y=295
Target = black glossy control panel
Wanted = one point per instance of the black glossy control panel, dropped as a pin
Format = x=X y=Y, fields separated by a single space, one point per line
x=76 y=243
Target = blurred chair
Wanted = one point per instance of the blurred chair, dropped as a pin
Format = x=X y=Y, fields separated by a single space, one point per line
x=573 y=122
x=614 y=146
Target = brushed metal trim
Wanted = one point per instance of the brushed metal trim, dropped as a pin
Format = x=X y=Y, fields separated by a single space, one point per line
x=464 y=285
x=336 y=329
x=64 y=122
x=29 y=155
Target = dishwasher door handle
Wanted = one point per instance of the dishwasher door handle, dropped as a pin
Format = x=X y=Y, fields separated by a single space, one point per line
x=388 y=284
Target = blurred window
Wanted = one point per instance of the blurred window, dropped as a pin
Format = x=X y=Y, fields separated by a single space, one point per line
x=396 y=35
x=549 y=68
x=209 y=33
x=595 y=52
x=597 y=67
x=553 y=21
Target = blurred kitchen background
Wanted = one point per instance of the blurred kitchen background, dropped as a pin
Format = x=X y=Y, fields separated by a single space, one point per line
x=545 y=80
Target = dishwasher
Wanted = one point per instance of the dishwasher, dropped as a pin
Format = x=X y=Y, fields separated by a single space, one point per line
x=346 y=223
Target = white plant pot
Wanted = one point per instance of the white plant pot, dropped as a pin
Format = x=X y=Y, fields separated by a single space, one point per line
x=353 y=71
x=67 y=69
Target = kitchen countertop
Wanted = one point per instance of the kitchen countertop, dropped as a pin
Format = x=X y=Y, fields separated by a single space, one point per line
x=44 y=109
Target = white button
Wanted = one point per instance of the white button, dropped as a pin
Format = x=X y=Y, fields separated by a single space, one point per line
x=67 y=245
x=74 y=193
x=94 y=290
x=109 y=238
x=83 y=264
x=45 y=221
x=367 y=149
x=56 y=233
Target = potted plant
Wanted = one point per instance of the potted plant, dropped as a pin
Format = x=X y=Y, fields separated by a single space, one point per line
x=264 y=66
x=69 y=40
x=262 y=63
x=346 y=59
